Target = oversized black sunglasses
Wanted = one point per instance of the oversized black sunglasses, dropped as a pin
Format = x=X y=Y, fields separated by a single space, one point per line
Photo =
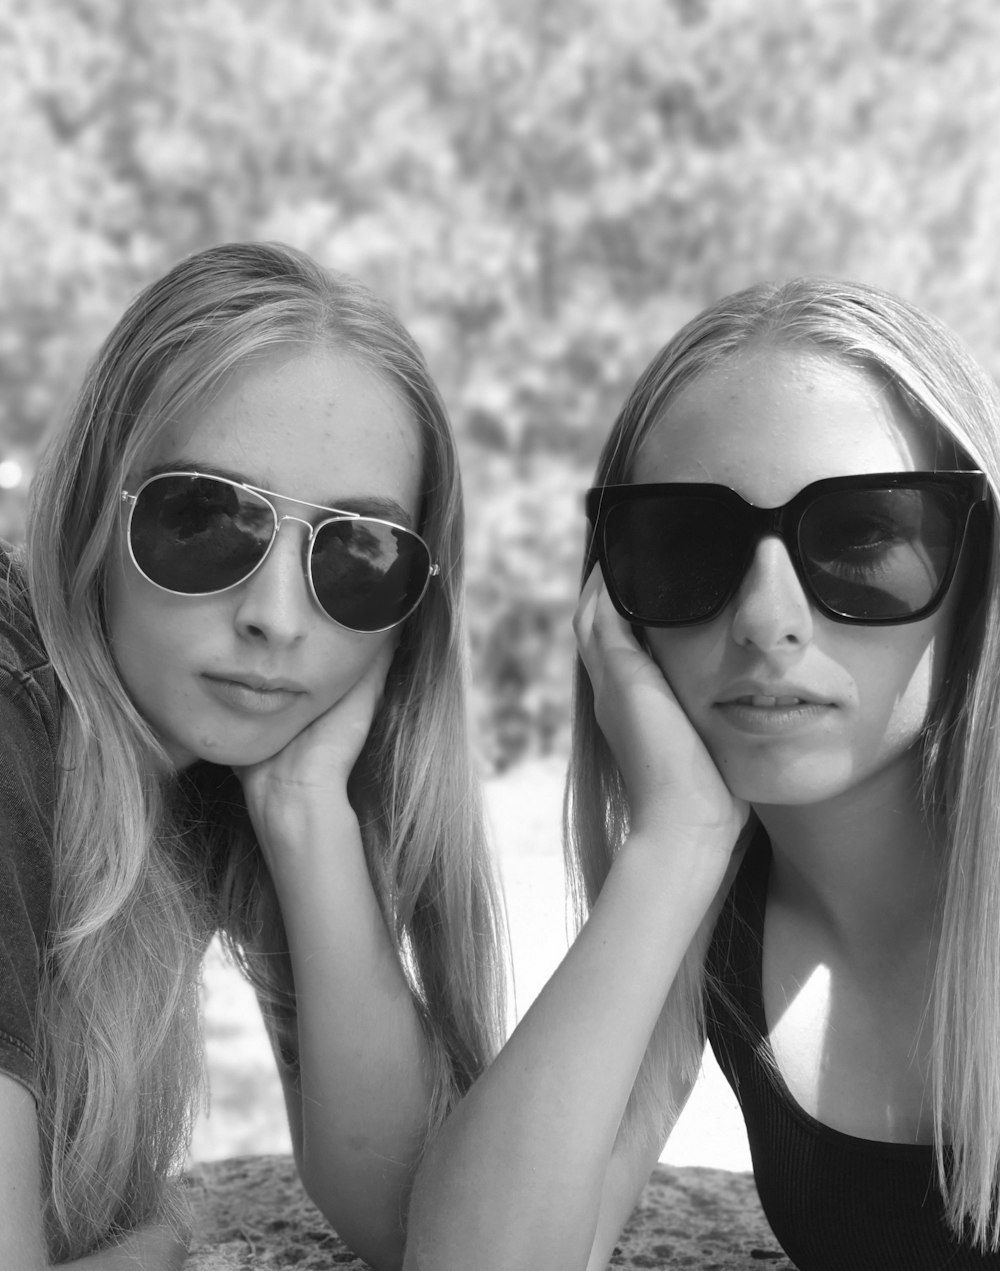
x=872 y=549
x=195 y=535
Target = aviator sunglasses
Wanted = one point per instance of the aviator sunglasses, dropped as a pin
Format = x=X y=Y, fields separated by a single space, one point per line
x=196 y=535
x=874 y=549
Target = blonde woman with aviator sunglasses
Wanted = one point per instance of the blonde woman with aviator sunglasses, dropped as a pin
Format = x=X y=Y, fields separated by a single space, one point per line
x=232 y=676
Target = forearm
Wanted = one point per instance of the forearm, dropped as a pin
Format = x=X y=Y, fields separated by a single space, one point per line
x=149 y=1249
x=516 y=1176
x=363 y=1071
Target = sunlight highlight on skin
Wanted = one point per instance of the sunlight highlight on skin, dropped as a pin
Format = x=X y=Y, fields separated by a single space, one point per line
x=806 y=1014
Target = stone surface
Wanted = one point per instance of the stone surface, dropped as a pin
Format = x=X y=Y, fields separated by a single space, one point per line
x=251 y=1214
x=703 y=1218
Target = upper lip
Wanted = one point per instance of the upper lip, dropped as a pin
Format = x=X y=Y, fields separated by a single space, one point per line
x=781 y=691
x=260 y=683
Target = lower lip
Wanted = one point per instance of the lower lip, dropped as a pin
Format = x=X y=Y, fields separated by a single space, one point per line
x=251 y=701
x=773 y=719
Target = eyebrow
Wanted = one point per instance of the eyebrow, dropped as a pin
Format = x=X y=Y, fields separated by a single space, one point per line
x=374 y=505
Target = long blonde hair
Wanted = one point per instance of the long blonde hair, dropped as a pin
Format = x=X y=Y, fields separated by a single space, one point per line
x=941 y=384
x=146 y=868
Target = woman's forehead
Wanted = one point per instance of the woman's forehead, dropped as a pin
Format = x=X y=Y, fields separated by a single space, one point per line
x=316 y=424
x=770 y=422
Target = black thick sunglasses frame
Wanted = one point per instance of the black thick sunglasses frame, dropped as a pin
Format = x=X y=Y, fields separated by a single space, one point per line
x=264 y=497
x=962 y=491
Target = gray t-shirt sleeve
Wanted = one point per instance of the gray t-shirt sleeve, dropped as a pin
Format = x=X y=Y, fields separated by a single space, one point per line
x=27 y=791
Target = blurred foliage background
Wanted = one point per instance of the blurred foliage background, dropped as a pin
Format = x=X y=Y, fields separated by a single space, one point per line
x=544 y=189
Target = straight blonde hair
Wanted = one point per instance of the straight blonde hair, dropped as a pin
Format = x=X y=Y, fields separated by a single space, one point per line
x=942 y=386
x=146 y=867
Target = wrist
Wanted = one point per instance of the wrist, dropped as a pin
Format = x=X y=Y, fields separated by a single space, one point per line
x=673 y=853
x=318 y=822
x=312 y=851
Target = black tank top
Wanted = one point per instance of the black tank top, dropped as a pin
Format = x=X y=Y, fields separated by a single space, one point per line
x=835 y=1202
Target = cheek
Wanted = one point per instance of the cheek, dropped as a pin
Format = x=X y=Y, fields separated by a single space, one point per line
x=133 y=632
x=903 y=686
x=342 y=659
x=687 y=656
x=140 y=618
x=908 y=665
x=150 y=650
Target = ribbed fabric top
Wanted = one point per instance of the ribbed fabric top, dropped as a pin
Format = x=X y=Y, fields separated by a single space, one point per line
x=835 y=1202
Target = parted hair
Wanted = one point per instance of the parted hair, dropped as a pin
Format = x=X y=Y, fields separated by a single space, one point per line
x=148 y=864
x=942 y=386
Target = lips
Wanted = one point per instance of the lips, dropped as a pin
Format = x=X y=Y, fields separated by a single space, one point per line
x=772 y=696
x=764 y=699
x=773 y=711
x=258 y=683
x=253 y=695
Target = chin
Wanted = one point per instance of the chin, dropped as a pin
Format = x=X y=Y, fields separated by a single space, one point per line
x=234 y=753
x=795 y=785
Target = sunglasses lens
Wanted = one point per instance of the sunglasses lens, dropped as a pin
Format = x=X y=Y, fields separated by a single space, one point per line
x=367 y=574
x=880 y=555
x=675 y=558
x=196 y=535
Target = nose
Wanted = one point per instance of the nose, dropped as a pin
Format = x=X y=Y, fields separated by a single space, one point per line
x=770 y=610
x=275 y=603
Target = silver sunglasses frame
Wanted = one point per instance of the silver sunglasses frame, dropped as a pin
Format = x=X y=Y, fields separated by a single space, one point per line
x=265 y=496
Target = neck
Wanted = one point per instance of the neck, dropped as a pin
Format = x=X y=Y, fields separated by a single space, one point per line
x=864 y=862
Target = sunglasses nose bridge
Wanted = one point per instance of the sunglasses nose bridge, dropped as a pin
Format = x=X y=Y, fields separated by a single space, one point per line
x=278 y=523
x=280 y=520
x=301 y=520
x=759 y=523
x=779 y=522
x=771 y=604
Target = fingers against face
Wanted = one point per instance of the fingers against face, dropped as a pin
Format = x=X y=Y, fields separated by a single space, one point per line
x=662 y=759
x=607 y=645
x=601 y=633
